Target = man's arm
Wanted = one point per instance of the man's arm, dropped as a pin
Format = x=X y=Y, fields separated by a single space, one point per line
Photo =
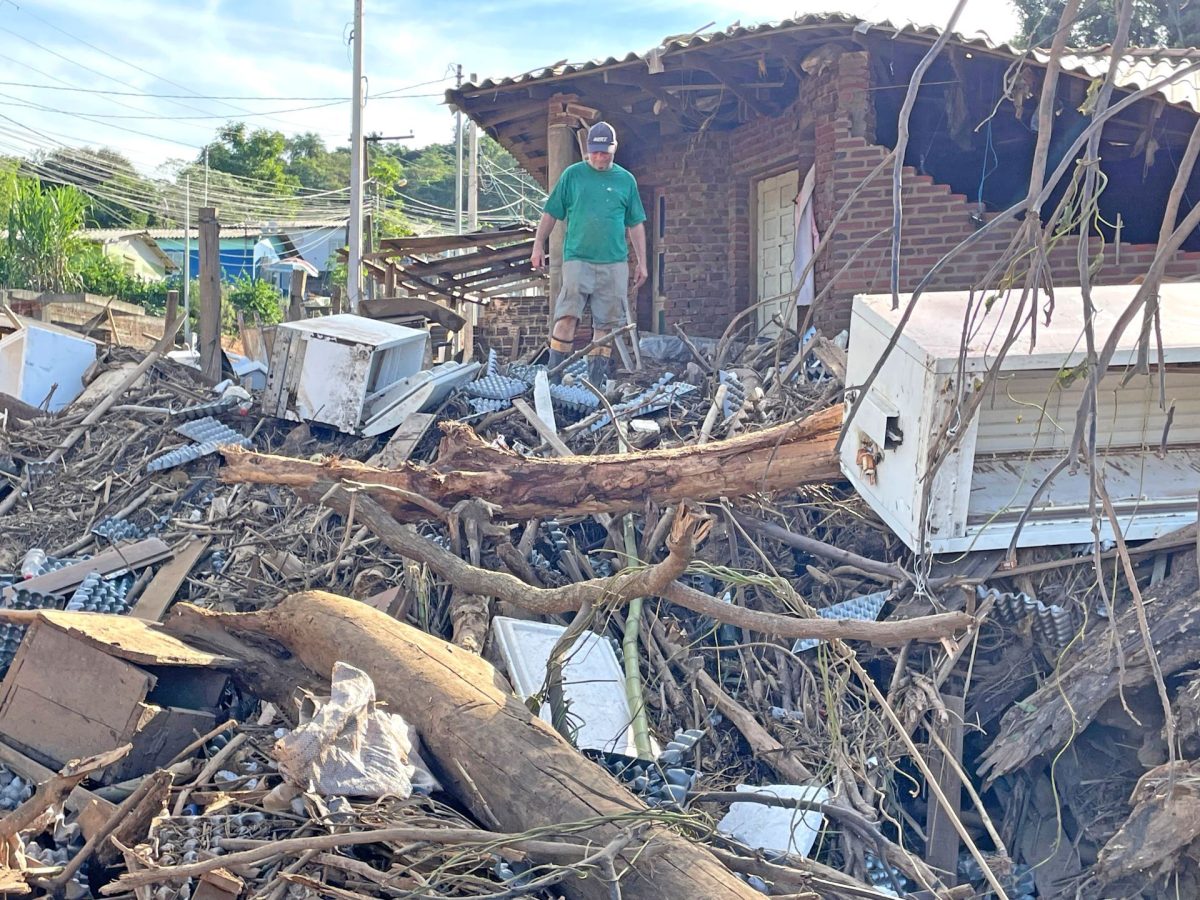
x=637 y=237
x=537 y=258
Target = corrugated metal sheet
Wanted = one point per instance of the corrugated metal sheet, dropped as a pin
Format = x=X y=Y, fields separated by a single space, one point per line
x=1138 y=69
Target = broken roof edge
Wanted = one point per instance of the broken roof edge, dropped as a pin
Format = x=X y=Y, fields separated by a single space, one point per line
x=1139 y=68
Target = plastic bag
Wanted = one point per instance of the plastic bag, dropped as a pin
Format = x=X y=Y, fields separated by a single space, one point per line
x=346 y=746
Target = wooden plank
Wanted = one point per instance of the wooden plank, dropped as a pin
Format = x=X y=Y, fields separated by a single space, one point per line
x=153 y=603
x=210 y=295
x=403 y=441
x=942 y=846
x=118 y=559
x=64 y=700
x=549 y=436
x=296 y=295
x=132 y=639
x=385 y=308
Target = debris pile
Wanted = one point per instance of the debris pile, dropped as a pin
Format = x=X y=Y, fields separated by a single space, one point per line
x=548 y=638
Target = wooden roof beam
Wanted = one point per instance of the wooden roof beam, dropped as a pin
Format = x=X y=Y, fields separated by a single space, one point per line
x=731 y=81
x=663 y=101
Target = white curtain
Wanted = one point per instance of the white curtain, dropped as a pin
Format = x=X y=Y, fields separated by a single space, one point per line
x=806 y=238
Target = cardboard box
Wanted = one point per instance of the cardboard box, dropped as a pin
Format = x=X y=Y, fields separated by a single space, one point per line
x=82 y=684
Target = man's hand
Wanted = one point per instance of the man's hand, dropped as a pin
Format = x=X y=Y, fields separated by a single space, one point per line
x=537 y=258
x=640 y=275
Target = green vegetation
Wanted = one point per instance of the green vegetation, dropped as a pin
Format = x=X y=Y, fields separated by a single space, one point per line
x=1173 y=23
x=41 y=226
x=253 y=297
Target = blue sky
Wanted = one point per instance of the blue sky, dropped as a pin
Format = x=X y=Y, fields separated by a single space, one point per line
x=80 y=72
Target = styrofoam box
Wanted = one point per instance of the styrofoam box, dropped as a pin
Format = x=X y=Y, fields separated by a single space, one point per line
x=776 y=827
x=593 y=681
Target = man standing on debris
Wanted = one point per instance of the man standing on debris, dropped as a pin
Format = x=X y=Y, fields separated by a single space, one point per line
x=600 y=203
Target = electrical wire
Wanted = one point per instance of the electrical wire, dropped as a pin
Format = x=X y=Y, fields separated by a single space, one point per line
x=393 y=94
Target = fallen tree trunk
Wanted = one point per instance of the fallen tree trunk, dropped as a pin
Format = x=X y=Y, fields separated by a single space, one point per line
x=511 y=769
x=658 y=580
x=1092 y=675
x=778 y=458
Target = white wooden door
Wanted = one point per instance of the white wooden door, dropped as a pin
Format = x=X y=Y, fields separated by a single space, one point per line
x=776 y=247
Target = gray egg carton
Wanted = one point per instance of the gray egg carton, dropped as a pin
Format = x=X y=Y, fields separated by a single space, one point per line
x=209 y=429
x=574 y=398
x=1052 y=624
x=14 y=790
x=528 y=374
x=659 y=396
x=113 y=529
x=203 y=410
x=481 y=405
x=864 y=609
x=735 y=394
x=191 y=453
x=493 y=364
x=496 y=387
x=95 y=594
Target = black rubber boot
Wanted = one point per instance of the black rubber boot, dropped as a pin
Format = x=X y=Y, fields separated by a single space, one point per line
x=598 y=369
x=556 y=359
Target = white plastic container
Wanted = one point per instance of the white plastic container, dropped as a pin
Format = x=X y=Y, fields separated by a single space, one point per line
x=593 y=681
x=775 y=827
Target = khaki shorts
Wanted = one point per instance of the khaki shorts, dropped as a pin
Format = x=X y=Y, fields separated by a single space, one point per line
x=605 y=285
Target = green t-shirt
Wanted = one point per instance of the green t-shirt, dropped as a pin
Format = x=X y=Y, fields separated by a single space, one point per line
x=598 y=207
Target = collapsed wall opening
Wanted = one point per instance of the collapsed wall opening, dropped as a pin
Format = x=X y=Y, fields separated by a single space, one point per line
x=974 y=128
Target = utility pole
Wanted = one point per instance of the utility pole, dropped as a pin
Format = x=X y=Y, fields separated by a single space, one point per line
x=355 y=226
x=473 y=174
x=458 y=171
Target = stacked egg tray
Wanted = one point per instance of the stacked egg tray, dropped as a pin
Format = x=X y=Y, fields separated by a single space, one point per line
x=209 y=436
x=94 y=594
x=663 y=782
x=14 y=790
x=178 y=840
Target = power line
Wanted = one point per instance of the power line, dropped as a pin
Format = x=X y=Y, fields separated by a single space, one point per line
x=393 y=94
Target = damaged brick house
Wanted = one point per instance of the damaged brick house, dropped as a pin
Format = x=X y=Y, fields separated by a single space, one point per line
x=743 y=139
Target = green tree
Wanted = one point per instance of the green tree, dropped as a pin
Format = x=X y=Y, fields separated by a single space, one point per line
x=117 y=194
x=1173 y=23
x=313 y=166
x=257 y=154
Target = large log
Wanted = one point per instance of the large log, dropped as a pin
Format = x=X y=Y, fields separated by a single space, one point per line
x=778 y=458
x=511 y=769
x=1097 y=670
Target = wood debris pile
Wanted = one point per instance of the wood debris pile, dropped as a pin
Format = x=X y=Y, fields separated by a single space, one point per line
x=964 y=729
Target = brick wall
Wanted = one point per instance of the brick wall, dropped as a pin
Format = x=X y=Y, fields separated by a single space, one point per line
x=513 y=326
x=709 y=180
x=695 y=173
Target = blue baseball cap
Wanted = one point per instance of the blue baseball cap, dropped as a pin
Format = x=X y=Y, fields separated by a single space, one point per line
x=602 y=138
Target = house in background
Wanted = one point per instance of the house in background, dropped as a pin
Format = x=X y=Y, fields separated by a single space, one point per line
x=315 y=242
x=747 y=142
x=135 y=249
